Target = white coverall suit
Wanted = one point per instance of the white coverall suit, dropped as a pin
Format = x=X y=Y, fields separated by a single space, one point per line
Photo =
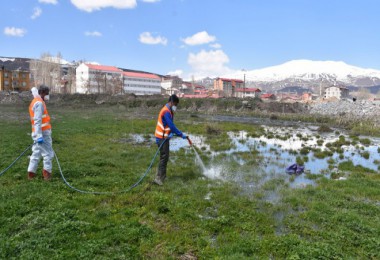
x=45 y=149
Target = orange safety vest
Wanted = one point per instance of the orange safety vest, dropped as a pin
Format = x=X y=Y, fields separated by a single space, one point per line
x=161 y=130
x=45 y=117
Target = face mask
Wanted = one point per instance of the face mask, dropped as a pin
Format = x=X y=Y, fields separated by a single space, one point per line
x=47 y=97
x=174 y=108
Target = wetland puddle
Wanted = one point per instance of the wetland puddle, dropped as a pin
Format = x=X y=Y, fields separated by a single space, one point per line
x=260 y=162
x=270 y=154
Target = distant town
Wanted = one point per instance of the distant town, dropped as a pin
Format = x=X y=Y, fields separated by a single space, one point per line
x=21 y=74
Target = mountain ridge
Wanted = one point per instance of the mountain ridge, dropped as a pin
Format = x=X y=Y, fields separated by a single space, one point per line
x=313 y=75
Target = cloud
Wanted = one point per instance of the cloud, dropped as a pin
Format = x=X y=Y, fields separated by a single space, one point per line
x=216 y=46
x=150 y=1
x=209 y=63
x=199 y=38
x=147 y=38
x=94 y=33
x=175 y=73
x=36 y=12
x=54 y=2
x=13 y=31
x=95 y=5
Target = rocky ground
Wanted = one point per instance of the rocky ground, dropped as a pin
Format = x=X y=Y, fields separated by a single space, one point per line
x=362 y=109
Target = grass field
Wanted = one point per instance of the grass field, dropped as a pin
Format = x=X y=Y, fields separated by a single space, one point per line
x=190 y=217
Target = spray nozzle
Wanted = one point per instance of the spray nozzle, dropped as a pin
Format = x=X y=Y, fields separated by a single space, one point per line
x=190 y=142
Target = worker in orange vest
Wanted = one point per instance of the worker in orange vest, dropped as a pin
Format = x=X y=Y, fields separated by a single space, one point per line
x=165 y=129
x=41 y=133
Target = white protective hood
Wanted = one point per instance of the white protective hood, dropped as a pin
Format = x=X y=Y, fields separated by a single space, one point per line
x=35 y=92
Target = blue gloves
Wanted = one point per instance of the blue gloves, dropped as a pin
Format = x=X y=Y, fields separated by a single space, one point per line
x=171 y=135
x=40 y=140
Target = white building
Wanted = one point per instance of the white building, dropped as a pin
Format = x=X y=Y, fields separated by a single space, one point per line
x=337 y=92
x=91 y=78
x=140 y=83
x=247 y=92
x=171 y=85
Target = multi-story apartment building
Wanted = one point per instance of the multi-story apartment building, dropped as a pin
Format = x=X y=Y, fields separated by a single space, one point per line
x=91 y=78
x=14 y=74
x=337 y=92
x=226 y=87
x=140 y=83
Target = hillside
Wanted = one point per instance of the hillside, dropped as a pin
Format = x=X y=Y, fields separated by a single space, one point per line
x=311 y=75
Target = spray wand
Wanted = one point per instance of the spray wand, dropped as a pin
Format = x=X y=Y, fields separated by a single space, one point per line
x=190 y=142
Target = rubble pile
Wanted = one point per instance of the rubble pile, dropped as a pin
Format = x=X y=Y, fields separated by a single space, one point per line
x=363 y=109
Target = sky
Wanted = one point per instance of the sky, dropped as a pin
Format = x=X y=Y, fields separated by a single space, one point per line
x=193 y=38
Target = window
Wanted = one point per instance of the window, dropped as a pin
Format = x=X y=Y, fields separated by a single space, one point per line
x=5 y=74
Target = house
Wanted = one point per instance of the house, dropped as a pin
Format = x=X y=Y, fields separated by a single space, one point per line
x=92 y=78
x=268 y=97
x=200 y=92
x=336 y=92
x=15 y=74
x=307 y=97
x=170 y=85
x=247 y=93
x=288 y=97
x=187 y=87
x=227 y=87
x=140 y=83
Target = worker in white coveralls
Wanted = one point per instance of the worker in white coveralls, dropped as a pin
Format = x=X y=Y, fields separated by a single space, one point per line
x=41 y=134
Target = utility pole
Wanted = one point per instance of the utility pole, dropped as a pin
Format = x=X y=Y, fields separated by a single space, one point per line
x=244 y=81
x=244 y=90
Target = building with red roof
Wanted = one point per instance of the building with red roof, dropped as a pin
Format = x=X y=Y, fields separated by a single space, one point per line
x=94 y=78
x=268 y=97
x=226 y=87
x=140 y=83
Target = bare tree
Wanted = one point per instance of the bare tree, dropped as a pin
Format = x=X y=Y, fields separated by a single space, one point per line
x=118 y=82
x=115 y=84
x=100 y=79
x=47 y=71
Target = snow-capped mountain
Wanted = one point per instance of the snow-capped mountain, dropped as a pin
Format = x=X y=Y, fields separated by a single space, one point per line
x=310 y=74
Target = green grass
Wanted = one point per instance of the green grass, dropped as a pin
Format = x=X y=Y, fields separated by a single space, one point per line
x=48 y=220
